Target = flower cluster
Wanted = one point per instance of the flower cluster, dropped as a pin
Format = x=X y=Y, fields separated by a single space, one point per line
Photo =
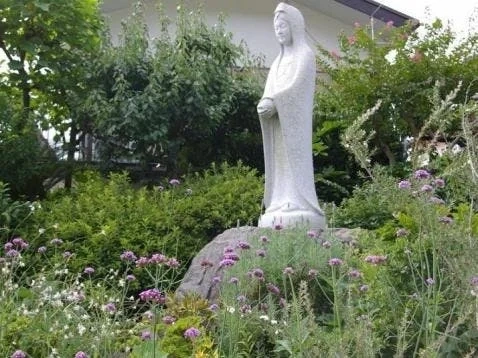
x=153 y=295
x=376 y=259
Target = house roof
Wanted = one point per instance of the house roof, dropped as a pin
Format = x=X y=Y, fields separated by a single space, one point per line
x=347 y=10
x=379 y=11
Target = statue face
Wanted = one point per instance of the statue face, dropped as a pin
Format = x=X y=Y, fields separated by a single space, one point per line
x=282 y=30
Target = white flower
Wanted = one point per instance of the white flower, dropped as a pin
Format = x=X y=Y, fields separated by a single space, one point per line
x=231 y=309
x=273 y=321
x=81 y=329
x=264 y=317
x=41 y=231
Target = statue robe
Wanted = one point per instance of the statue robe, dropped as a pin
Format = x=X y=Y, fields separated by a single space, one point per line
x=287 y=136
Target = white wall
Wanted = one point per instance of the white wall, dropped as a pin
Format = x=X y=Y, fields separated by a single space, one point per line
x=248 y=20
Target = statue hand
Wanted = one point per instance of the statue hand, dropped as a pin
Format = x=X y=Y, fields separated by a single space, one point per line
x=266 y=108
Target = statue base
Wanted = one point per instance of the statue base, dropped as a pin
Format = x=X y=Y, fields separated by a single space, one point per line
x=285 y=219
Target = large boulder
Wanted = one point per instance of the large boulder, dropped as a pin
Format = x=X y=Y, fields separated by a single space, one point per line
x=205 y=266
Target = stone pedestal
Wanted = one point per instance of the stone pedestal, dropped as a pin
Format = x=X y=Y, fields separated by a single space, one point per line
x=308 y=219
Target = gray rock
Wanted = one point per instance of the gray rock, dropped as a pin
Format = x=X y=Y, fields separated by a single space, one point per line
x=205 y=266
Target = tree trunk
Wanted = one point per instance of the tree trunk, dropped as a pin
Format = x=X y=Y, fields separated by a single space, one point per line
x=70 y=159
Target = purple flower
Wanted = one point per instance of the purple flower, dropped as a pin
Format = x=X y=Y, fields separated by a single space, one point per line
x=172 y=262
x=174 y=182
x=20 y=243
x=244 y=245
x=56 y=241
x=261 y=252
x=375 y=259
x=258 y=273
x=363 y=288
x=130 y=277
x=216 y=279
x=206 y=263
x=12 y=253
x=19 y=354
x=436 y=200
x=278 y=226
x=67 y=254
x=326 y=244
x=234 y=280
x=401 y=232
x=241 y=299
x=474 y=281
x=153 y=295
x=110 y=307
x=148 y=315
x=288 y=271
x=430 y=281
x=335 y=262
x=81 y=354
x=89 y=270
x=228 y=250
x=226 y=263
x=146 y=335
x=214 y=307
x=244 y=309
x=169 y=319
x=426 y=188
x=355 y=274
x=313 y=273
x=282 y=302
x=192 y=333
x=141 y=262
x=312 y=233
x=42 y=249
x=264 y=239
x=421 y=174
x=273 y=289
x=158 y=259
x=128 y=256
x=231 y=256
x=445 y=220
x=439 y=183
x=8 y=246
x=404 y=184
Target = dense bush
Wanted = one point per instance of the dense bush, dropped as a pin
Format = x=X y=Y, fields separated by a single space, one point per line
x=99 y=219
x=13 y=213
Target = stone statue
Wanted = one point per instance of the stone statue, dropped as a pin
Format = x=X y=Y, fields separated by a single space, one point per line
x=285 y=113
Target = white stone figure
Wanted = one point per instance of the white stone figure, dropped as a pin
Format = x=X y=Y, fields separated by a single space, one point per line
x=285 y=113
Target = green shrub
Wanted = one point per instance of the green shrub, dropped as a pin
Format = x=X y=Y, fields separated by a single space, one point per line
x=100 y=218
x=12 y=213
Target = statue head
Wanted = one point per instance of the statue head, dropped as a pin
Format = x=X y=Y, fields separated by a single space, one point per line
x=289 y=24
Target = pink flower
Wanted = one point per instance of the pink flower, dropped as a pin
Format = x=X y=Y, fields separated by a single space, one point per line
x=389 y=24
x=81 y=354
x=19 y=354
x=334 y=55
x=421 y=174
x=351 y=40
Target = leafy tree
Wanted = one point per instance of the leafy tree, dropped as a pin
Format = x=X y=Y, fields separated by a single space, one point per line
x=181 y=101
x=407 y=71
x=49 y=45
